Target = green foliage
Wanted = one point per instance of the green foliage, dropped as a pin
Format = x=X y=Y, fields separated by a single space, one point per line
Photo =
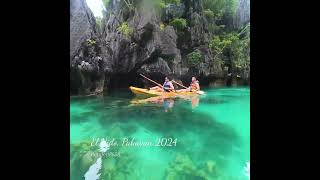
x=240 y=54
x=215 y=29
x=217 y=6
x=99 y=22
x=218 y=44
x=171 y=1
x=221 y=7
x=237 y=50
x=208 y=14
x=212 y=27
x=179 y=23
x=245 y=31
x=194 y=58
x=162 y=26
x=129 y=3
x=125 y=29
x=160 y=4
x=231 y=7
x=106 y=3
x=91 y=42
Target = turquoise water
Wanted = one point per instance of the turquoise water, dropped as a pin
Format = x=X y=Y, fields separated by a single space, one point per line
x=209 y=136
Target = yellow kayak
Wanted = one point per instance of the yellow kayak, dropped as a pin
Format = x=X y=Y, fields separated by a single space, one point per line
x=147 y=92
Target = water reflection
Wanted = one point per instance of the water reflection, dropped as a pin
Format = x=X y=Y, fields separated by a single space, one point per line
x=167 y=102
x=194 y=100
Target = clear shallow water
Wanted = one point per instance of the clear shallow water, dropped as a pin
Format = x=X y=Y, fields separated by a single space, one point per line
x=212 y=132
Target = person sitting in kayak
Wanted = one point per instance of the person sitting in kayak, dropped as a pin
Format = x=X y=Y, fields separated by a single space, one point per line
x=194 y=86
x=167 y=86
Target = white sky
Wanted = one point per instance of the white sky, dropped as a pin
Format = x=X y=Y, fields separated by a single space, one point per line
x=96 y=7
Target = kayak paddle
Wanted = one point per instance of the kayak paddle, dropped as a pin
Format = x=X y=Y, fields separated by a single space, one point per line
x=153 y=81
x=198 y=92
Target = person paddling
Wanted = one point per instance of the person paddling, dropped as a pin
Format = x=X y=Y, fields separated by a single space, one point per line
x=194 y=86
x=167 y=86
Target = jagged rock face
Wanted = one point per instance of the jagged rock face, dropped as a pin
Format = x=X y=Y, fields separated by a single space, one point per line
x=81 y=20
x=210 y=67
x=155 y=67
x=199 y=30
x=88 y=56
x=199 y=37
x=243 y=13
x=172 y=11
x=151 y=50
x=146 y=45
x=192 y=6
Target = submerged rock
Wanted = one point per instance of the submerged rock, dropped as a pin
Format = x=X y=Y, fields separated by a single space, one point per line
x=184 y=168
x=210 y=166
x=119 y=168
x=120 y=176
x=109 y=164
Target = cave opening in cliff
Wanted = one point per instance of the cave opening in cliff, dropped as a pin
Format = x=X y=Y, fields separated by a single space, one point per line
x=75 y=81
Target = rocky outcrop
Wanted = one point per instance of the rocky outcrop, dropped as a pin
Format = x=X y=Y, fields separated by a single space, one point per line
x=89 y=58
x=198 y=37
x=242 y=14
x=146 y=45
x=155 y=67
x=172 y=11
x=81 y=20
x=199 y=30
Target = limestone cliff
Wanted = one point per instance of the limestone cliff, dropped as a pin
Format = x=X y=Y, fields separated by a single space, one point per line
x=140 y=39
